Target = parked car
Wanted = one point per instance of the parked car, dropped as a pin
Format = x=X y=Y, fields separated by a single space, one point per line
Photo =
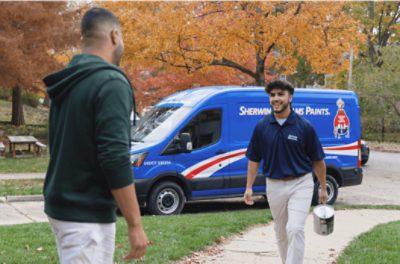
x=364 y=152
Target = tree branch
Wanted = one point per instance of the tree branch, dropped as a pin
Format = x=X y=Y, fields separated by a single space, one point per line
x=210 y=13
x=396 y=15
x=228 y=63
x=270 y=48
x=165 y=60
x=380 y=25
x=298 y=9
x=387 y=99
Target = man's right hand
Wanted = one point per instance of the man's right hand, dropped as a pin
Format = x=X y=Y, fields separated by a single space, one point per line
x=129 y=206
x=138 y=242
x=248 y=196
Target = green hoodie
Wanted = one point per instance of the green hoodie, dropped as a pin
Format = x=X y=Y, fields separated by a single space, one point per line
x=89 y=135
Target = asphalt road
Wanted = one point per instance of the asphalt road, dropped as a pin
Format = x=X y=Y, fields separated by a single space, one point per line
x=380 y=184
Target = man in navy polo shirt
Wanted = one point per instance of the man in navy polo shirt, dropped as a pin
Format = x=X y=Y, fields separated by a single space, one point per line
x=290 y=150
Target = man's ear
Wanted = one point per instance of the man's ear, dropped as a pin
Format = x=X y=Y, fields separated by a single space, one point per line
x=114 y=36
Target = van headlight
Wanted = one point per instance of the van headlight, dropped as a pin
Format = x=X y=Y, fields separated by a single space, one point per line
x=138 y=159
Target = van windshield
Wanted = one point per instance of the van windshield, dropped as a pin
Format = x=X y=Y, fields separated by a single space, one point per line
x=158 y=122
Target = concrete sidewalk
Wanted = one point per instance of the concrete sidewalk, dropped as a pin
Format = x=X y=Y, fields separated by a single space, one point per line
x=258 y=244
x=23 y=209
x=22 y=176
x=18 y=212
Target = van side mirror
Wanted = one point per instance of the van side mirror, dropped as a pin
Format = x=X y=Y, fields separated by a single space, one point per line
x=182 y=143
x=185 y=142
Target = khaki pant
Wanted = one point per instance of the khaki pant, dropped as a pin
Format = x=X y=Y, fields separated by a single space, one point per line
x=84 y=243
x=290 y=202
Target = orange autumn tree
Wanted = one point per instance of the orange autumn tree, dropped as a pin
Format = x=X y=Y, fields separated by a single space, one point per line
x=151 y=85
x=30 y=33
x=194 y=36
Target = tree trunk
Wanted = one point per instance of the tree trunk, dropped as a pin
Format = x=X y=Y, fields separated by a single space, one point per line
x=17 y=117
x=260 y=70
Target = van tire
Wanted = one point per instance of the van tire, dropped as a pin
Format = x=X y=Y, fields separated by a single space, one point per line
x=332 y=188
x=166 y=198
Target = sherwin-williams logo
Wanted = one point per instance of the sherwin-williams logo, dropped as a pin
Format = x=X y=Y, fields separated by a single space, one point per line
x=341 y=123
x=262 y=111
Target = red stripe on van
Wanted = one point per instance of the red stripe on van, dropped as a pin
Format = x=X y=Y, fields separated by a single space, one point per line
x=342 y=148
x=193 y=173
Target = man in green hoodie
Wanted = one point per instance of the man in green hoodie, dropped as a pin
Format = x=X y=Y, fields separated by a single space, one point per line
x=89 y=138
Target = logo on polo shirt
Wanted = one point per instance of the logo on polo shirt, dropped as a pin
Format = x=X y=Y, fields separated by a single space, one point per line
x=291 y=137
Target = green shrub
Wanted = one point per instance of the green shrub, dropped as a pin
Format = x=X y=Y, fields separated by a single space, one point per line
x=30 y=99
x=38 y=131
x=383 y=128
x=5 y=94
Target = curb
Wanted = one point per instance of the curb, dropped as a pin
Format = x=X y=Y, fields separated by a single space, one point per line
x=21 y=198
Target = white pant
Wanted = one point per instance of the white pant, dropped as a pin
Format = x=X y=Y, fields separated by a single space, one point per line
x=84 y=243
x=290 y=202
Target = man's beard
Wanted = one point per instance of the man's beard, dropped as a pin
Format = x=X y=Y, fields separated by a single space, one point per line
x=284 y=107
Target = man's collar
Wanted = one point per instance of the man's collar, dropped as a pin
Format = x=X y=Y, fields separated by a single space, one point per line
x=289 y=120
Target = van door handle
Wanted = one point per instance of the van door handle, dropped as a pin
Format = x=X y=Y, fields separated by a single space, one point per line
x=220 y=151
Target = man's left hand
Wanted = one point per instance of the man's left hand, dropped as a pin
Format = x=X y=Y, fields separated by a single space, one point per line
x=323 y=196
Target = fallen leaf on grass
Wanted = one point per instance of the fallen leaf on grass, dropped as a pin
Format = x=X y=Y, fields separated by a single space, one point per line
x=220 y=240
x=119 y=245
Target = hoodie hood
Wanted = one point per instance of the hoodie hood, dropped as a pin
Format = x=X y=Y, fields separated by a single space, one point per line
x=59 y=84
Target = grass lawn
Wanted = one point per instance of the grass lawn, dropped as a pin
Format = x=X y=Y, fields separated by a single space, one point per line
x=378 y=246
x=174 y=237
x=178 y=236
x=20 y=165
x=21 y=187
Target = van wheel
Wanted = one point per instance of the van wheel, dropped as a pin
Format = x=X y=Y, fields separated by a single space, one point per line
x=331 y=187
x=166 y=198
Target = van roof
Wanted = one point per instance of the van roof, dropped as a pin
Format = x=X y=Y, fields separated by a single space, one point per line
x=191 y=97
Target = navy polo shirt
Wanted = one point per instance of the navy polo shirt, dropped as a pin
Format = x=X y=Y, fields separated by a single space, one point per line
x=287 y=150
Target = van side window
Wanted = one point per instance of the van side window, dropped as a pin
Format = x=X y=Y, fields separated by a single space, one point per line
x=205 y=128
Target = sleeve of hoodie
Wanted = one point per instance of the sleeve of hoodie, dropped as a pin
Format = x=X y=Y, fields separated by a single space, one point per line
x=112 y=132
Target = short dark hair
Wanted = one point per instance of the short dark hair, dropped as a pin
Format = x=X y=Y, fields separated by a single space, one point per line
x=94 y=18
x=279 y=84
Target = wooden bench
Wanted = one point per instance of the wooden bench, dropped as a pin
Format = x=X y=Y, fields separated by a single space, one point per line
x=40 y=148
x=2 y=150
x=17 y=144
